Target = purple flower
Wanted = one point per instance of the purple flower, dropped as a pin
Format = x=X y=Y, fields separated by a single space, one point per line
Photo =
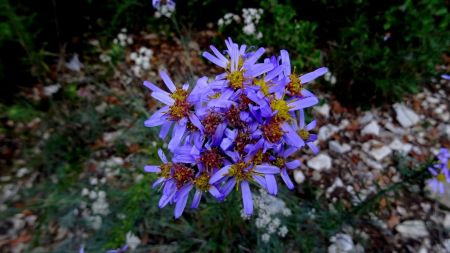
x=170 y=4
x=304 y=131
x=234 y=131
x=178 y=108
x=445 y=76
x=440 y=176
x=241 y=173
x=122 y=249
x=240 y=66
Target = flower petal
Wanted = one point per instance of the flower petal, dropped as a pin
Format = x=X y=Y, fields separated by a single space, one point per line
x=271 y=182
x=287 y=180
x=267 y=169
x=247 y=198
x=313 y=75
x=196 y=199
x=167 y=81
x=152 y=169
x=219 y=174
x=293 y=164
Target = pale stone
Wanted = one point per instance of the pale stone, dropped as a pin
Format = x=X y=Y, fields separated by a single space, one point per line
x=338 y=148
x=405 y=116
x=398 y=145
x=299 y=177
x=380 y=153
x=412 y=229
x=323 y=110
x=372 y=128
x=320 y=162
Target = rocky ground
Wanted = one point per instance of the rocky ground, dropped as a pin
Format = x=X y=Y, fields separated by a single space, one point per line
x=360 y=150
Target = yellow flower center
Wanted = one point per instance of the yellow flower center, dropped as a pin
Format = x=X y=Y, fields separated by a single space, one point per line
x=259 y=158
x=282 y=109
x=202 y=181
x=441 y=177
x=294 y=86
x=179 y=94
x=236 y=79
x=264 y=87
x=237 y=170
x=165 y=170
x=304 y=134
x=280 y=162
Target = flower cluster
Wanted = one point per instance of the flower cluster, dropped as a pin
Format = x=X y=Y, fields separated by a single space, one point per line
x=239 y=129
x=251 y=17
x=163 y=8
x=141 y=60
x=123 y=39
x=269 y=210
x=440 y=172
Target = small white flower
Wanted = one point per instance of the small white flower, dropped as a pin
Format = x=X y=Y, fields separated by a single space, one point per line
x=84 y=192
x=249 y=29
x=283 y=231
x=265 y=237
x=93 y=181
x=92 y=195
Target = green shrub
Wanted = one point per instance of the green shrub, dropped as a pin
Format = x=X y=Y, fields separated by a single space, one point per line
x=380 y=51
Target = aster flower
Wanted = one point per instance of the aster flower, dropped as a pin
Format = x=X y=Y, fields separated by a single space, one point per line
x=440 y=176
x=236 y=130
x=304 y=131
x=280 y=162
x=440 y=172
x=169 y=4
x=122 y=249
x=177 y=109
x=241 y=173
x=241 y=67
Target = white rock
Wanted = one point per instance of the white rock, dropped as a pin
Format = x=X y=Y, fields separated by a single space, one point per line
x=398 y=145
x=323 y=110
x=338 y=148
x=341 y=243
x=366 y=118
x=299 y=177
x=396 y=130
x=405 y=116
x=132 y=240
x=447 y=221
x=371 y=128
x=74 y=64
x=380 y=153
x=325 y=132
x=22 y=172
x=320 y=162
x=51 y=89
x=412 y=229
x=373 y=164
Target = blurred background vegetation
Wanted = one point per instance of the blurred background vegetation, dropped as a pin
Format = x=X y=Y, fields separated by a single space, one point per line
x=376 y=50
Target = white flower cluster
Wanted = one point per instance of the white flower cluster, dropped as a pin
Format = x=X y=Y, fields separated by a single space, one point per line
x=141 y=60
x=268 y=208
x=123 y=39
x=98 y=208
x=165 y=10
x=97 y=205
x=228 y=19
x=251 y=17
